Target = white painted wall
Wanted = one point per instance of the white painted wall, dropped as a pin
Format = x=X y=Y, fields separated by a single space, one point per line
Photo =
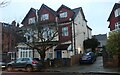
x=24 y=49
x=89 y=33
x=50 y=53
x=66 y=54
x=80 y=31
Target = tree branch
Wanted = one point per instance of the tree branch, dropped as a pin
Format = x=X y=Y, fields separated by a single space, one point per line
x=4 y=3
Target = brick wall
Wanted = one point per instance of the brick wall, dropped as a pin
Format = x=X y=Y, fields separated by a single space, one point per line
x=110 y=61
x=0 y=41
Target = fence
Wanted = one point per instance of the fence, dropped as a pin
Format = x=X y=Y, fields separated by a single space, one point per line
x=110 y=61
x=63 y=62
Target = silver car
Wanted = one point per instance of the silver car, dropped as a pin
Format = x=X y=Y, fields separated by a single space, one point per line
x=2 y=65
x=28 y=64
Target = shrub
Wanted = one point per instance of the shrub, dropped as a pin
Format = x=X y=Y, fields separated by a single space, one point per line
x=113 y=43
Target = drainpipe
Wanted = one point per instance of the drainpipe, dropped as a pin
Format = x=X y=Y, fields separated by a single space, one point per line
x=74 y=39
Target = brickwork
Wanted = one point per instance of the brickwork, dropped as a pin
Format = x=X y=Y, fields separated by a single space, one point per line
x=110 y=61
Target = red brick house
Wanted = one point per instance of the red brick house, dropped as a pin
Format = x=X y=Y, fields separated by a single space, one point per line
x=8 y=44
x=30 y=18
x=28 y=22
x=72 y=26
x=44 y=17
x=114 y=25
x=114 y=18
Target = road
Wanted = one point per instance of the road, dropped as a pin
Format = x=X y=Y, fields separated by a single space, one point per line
x=82 y=69
x=54 y=73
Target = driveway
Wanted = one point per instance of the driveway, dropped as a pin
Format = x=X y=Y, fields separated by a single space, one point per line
x=97 y=66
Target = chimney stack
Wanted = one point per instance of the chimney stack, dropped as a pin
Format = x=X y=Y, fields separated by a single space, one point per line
x=14 y=23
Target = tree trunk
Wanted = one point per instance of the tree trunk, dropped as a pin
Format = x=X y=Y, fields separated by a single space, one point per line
x=42 y=55
x=93 y=50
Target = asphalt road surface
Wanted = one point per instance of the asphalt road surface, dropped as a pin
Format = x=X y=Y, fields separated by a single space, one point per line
x=54 y=73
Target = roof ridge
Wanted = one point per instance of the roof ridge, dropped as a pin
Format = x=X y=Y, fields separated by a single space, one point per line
x=63 y=6
x=31 y=9
x=77 y=8
x=53 y=11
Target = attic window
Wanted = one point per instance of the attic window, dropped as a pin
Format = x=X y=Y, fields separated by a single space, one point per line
x=117 y=25
x=63 y=15
x=31 y=20
x=117 y=12
x=44 y=17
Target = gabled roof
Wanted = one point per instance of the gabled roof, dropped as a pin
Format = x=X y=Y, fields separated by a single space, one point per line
x=31 y=10
x=63 y=6
x=89 y=27
x=100 y=37
x=48 y=8
x=116 y=5
x=76 y=10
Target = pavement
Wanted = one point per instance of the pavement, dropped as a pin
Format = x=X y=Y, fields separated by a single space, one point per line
x=96 y=67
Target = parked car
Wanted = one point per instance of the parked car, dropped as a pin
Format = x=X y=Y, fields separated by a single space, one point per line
x=100 y=53
x=28 y=64
x=2 y=65
x=88 y=57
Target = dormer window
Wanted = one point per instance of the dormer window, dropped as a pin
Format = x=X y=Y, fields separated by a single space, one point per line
x=31 y=20
x=44 y=17
x=117 y=12
x=63 y=15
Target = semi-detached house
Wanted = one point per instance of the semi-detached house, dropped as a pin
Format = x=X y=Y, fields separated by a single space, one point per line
x=72 y=26
x=114 y=18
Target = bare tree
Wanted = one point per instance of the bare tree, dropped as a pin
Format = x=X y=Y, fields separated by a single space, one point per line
x=4 y=3
x=42 y=38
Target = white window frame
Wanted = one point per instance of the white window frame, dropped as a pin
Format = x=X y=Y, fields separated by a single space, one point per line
x=44 y=17
x=117 y=25
x=31 y=20
x=63 y=15
x=65 y=31
x=25 y=52
x=47 y=33
x=12 y=55
x=117 y=12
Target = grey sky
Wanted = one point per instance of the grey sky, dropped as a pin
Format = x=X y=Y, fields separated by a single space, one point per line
x=96 y=11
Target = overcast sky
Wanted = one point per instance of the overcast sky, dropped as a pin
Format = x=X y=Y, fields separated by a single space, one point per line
x=96 y=11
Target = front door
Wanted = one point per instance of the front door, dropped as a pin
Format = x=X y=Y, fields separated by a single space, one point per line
x=59 y=54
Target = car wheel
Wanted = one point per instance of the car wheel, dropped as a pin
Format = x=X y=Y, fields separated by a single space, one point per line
x=29 y=68
x=9 y=68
